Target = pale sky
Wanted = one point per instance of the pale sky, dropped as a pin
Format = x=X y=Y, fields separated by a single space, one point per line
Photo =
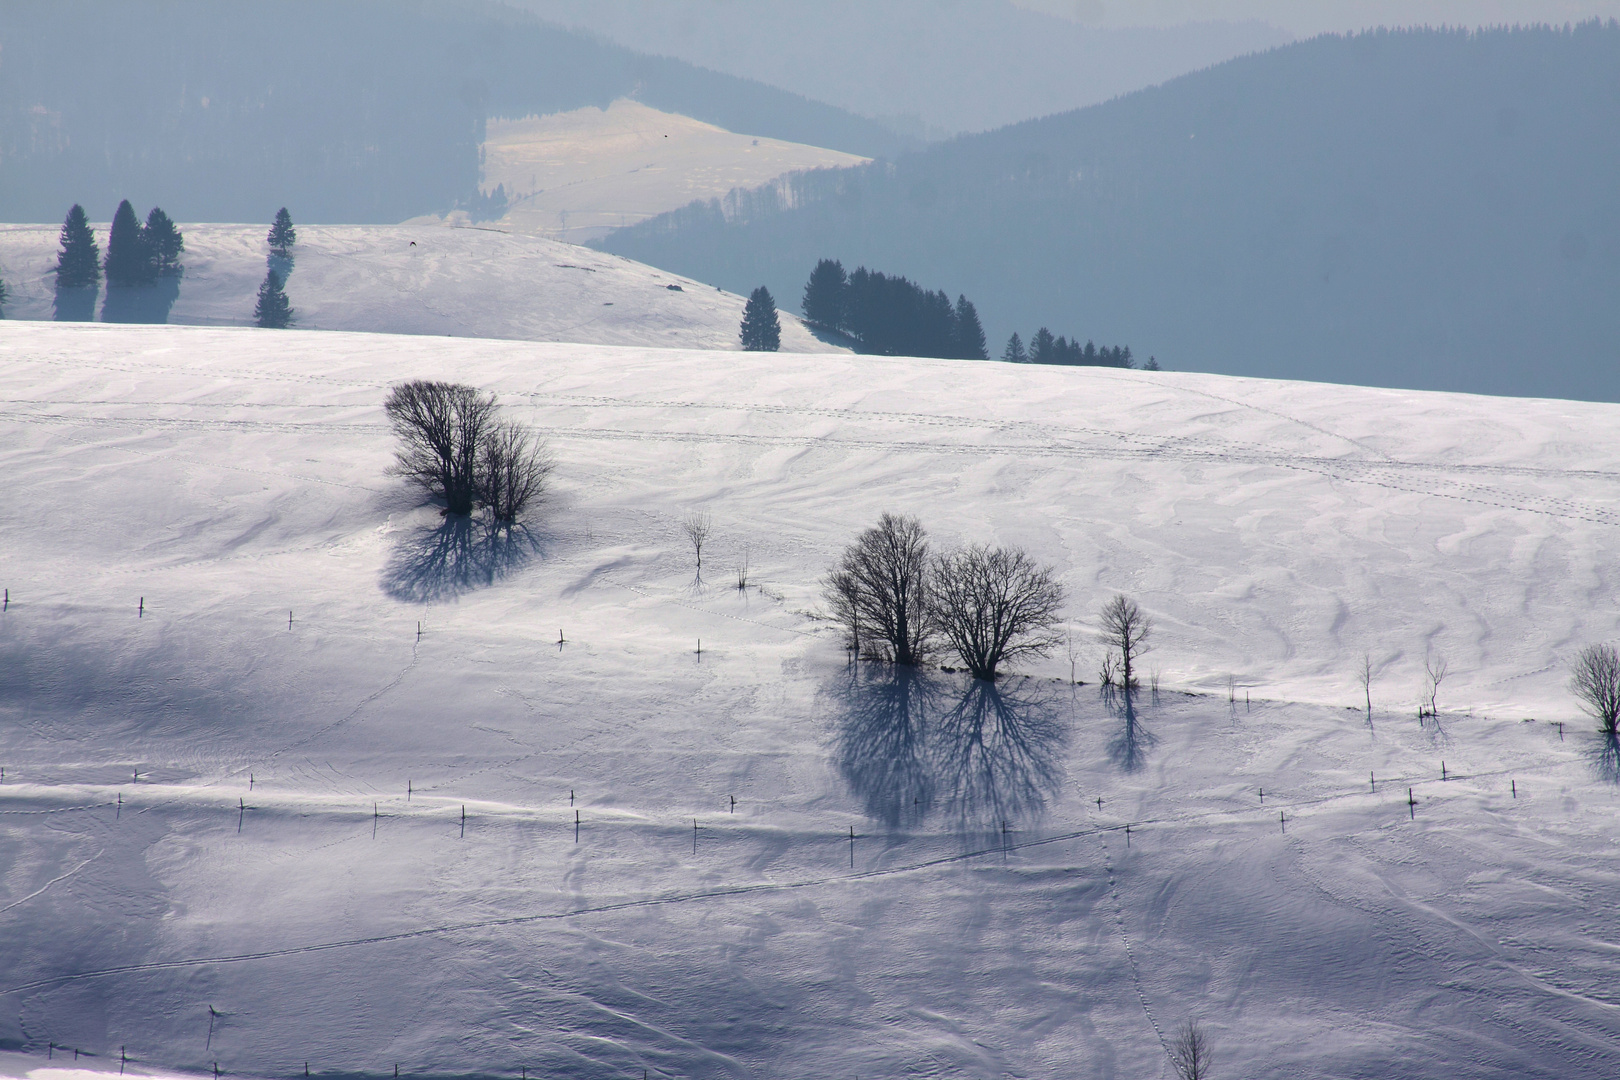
x=1306 y=17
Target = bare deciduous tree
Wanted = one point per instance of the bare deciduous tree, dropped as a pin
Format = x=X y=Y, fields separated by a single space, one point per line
x=440 y=427
x=1435 y=670
x=742 y=570
x=1596 y=681
x=1190 y=1052
x=1125 y=631
x=995 y=606
x=697 y=527
x=879 y=591
x=1364 y=674
x=512 y=471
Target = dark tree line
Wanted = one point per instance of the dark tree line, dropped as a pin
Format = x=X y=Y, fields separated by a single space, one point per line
x=1046 y=349
x=891 y=316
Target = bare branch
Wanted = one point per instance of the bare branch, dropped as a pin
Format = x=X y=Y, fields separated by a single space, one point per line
x=696 y=527
x=879 y=592
x=1190 y=1052
x=1435 y=670
x=1364 y=673
x=513 y=469
x=1125 y=630
x=440 y=427
x=995 y=607
x=1596 y=682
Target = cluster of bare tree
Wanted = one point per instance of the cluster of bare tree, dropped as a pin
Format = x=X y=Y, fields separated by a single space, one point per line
x=456 y=447
x=900 y=602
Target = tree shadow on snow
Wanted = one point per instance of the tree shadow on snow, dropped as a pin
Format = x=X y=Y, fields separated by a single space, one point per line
x=460 y=555
x=141 y=303
x=1130 y=744
x=1606 y=758
x=911 y=745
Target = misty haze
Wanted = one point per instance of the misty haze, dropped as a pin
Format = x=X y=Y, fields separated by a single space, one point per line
x=767 y=538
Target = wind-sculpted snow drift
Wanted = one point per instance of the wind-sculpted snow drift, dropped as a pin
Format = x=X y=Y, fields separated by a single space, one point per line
x=295 y=770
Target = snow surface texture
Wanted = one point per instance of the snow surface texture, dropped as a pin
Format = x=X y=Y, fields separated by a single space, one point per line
x=206 y=807
x=423 y=279
x=579 y=175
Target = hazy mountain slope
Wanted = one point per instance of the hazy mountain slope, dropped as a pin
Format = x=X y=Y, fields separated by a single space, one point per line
x=345 y=110
x=1425 y=209
x=917 y=877
x=428 y=279
x=578 y=175
x=923 y=64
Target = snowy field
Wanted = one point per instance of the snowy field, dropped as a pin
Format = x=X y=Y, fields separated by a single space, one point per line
x=422 y=279
x=230 y=838
x=579 y=175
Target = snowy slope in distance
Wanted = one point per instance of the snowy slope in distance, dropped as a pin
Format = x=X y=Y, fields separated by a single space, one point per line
x=424 y=279
x=250 y=687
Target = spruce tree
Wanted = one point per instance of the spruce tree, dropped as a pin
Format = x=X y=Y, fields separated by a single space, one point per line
x=164 y=243
x=761 y=329
x=128 y=262
x=79 y=263
x=1041 y=347
x=824 y=296
x=970 y=344
x=272 y=312
x=282 y=234
x=2 y=299
x=1014 y=352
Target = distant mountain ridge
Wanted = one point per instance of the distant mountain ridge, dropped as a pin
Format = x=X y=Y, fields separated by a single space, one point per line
x=1424 y=208
x=347 y=111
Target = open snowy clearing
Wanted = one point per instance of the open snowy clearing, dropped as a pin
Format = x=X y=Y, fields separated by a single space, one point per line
x=579 y=175
x=249 y=686
x=421 y=279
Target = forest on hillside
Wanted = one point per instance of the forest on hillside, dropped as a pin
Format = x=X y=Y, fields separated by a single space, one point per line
x=368 y=112
x=1429 y=208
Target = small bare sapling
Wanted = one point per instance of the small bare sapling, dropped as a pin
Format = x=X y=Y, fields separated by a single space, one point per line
x=1364 y=675
x=1435 y=670
x=697 y=528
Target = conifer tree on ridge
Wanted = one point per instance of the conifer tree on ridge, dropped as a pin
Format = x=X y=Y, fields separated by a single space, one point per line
x=79 y=263
x=128 y=260
x=282 y=234
x=761 y=329
x=969 y=334
x=164 y=243
x=272 y=311
x=1014 y=352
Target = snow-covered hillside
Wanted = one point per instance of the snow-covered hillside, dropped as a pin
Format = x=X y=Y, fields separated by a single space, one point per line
x=249 y=686
x=581 y=174
x=423 y=279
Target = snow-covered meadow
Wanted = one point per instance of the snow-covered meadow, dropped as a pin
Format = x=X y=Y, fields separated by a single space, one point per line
x=227 y=837
x=457 y=281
